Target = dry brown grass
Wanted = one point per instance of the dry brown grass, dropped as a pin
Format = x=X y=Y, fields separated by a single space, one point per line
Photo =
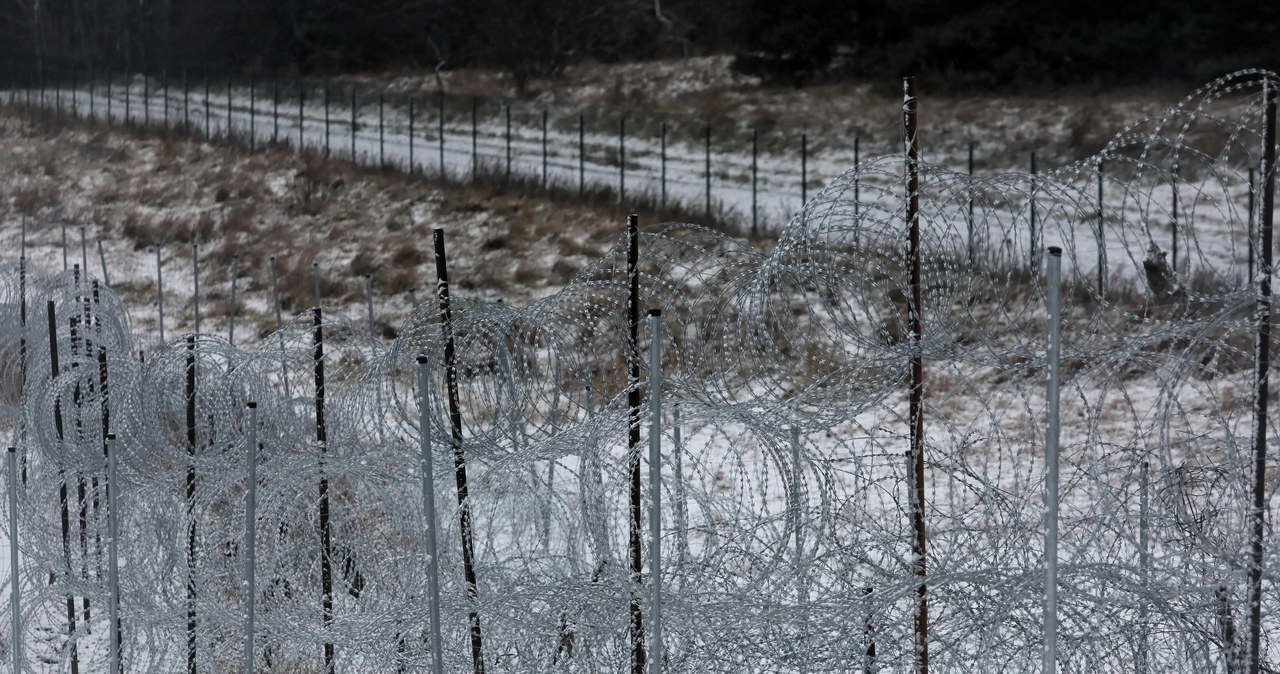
x=528 y=274
x=297 y=283
x=562 y=271
x=240 y=219
x=31 y=200
x=407 y=255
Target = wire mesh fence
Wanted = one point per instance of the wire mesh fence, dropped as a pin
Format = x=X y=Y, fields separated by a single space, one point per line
x=786 y=483
x=714 y=168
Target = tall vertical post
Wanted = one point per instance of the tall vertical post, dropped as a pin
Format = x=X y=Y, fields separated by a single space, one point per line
x=164 y=100
x=253 y=118
x=231 y=136
x=633 y=442
x=275 y=111
x=968 y=219
x=63 y=491
x=102 y=259
x=109 y=97
x=57 y=88
x=544 y=150
x=1035 y=240
x=412 y=164
x=84 y=252
x=475 y=154
x=1249 y=229
x=429 y=514
x=207 y=116
x=804 y=169
x=1173 y=223
x=582 y=154
x=160 y=293
x=1262 y=372
x=507 y=112
x=382 y=130
x=459 y=459
x=326 y=119
x=655 y=490
x=22 y=339
x=104 y=403
x=677 y=469
x=128 y=86
x=191 y=504
x=796 y=520
x=78 y=338
x=440 y=117
x=15 y=581
x=1144 y=562
x=322 y=440
x=235 y=273
x=1102 y=238
x=622 y=160
x=186 y=103
x=275 y=303
x=195 y=283
x=802 y=587
x=857 y=177
x=755 y=142
x=1053 y=356
x=302 y=118
x=250 y=534
x=918 y=551
x=368 y=299
x=113 y=556
x=662 y=203
x=354 y=108
x=707 y=170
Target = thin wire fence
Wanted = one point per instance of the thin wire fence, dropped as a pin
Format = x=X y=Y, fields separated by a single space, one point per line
x=785 y=486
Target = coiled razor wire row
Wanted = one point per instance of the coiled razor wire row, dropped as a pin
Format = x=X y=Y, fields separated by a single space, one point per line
x=785 y=526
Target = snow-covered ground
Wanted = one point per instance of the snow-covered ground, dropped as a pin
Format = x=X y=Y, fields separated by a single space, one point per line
x=767 y=565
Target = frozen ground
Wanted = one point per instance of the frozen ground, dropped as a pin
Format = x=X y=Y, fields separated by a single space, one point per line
x=767 y=571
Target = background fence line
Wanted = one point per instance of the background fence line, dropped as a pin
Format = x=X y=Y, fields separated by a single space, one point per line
x=719 y=180
x=789 y=499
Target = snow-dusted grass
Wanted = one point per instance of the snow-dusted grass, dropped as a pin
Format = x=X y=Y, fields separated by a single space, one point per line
x=768 y=563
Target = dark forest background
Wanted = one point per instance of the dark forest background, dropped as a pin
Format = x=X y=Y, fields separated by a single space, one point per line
x=1006 y=45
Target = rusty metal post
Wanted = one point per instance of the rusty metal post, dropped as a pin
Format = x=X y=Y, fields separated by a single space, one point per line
x=918 y=546
x=633 y=443
x=1262 y=372
x=459 y=459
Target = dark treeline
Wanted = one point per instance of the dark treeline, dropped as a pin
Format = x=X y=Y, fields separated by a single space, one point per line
x=997 y=45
